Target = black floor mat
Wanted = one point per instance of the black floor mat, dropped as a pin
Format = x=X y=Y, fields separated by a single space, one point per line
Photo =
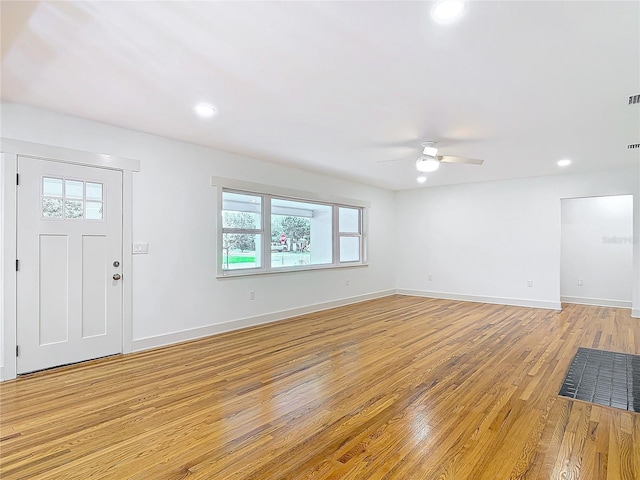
x=606 y=378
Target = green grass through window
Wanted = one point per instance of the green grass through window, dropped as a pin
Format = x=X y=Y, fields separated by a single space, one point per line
x=239 y=259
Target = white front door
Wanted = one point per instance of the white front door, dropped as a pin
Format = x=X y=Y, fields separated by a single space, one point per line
x=69 y=242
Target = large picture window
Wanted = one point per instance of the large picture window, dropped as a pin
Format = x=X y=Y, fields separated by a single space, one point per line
x=266 y=232
x=301 y=232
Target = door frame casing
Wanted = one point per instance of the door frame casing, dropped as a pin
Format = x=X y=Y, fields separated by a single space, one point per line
x=11 y=149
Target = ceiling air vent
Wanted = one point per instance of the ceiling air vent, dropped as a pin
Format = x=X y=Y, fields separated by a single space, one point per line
x=633 y=145
x=634 y=99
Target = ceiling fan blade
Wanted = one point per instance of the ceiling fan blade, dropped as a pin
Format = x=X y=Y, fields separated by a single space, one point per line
x=450 y=159
x=396 y=160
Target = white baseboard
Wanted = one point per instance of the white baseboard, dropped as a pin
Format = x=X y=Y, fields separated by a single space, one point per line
x=516 y=302
x=194 y=333
x=635 y=313
x=1 y=374
x=598 y=302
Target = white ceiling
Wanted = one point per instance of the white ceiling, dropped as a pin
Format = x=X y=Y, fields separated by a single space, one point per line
x=335 y=87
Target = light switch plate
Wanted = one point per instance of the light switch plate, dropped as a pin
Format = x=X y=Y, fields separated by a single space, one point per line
x=140 y=248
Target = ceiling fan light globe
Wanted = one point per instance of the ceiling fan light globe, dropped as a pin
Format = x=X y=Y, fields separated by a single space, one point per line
x=427 y=164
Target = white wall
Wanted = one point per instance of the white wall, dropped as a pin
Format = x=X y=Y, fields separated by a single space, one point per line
x=2 y=265
x=597 y=250
x=175 y=288
x=478 y=241
x=485 y=241
x=635 y=312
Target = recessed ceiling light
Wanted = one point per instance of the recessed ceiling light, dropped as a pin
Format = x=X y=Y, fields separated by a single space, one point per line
x=564 y=162
x=447 y=11
x=421 y=179
x=204 y=110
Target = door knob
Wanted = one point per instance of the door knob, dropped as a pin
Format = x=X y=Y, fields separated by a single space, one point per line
x=116 y=276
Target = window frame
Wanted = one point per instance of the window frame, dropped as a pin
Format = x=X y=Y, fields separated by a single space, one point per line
x=339 y=234
x=244 y=231
x=269 y=193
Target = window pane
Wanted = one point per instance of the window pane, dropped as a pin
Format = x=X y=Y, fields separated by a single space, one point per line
x=52 y=207
x=349 y=220
x=73 y=209
x=241 y=211
x=94 y=209
x=73 y=189
x=244 y=220
x=301 y=233
x=241 y=250
x=94 y=191
x=52 y=187
x=349 y=249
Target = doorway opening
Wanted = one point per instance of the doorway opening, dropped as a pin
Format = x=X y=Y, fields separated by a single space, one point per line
x=596 y=265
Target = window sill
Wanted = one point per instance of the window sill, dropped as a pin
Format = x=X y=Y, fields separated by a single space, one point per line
x=249 y=273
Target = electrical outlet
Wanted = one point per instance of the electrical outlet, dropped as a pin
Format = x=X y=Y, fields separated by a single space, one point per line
x=579 y=282
x=430 y=277
x=252 y=295
x=529 y=283
x=347 y=283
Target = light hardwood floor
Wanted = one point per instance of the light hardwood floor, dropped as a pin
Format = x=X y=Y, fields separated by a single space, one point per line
x=394 y=388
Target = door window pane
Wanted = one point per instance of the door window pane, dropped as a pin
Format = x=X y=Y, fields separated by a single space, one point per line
x=52 y=187
x=349 y=220
x=94 y=191
x=349 y=249
x=241 y=250
x=73 y=189
x=52 y=207
x=73 y=209
x=94 y=210
x=63 y=198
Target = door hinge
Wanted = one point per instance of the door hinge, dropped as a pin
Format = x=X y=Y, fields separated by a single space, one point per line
x=17 y=179
x=17 y=350
x=17 y=264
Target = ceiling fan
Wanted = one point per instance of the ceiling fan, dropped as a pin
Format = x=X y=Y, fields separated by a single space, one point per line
x=430 y=161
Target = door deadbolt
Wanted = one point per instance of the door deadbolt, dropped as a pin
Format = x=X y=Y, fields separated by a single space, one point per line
x=117 y=276
x=116 y=264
